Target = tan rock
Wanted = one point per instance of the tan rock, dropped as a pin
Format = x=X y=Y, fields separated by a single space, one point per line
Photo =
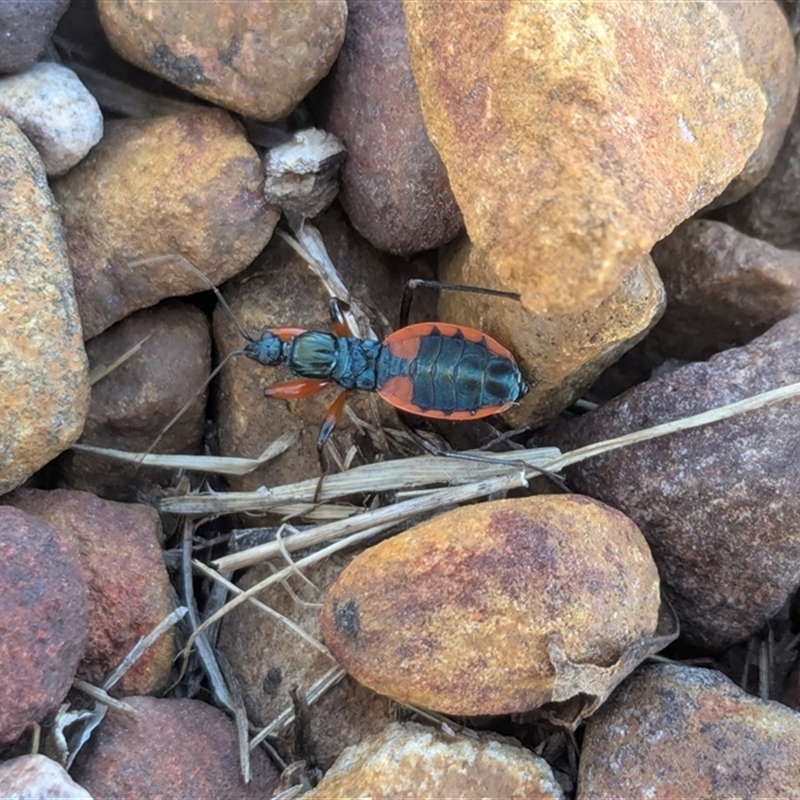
x=561 y=355
x=257 y=58
x=154 y=189
x=417 y=761
x=675 y=731
x=489 y=609
x=577 y=135
x=766 y=46
x=44 y=376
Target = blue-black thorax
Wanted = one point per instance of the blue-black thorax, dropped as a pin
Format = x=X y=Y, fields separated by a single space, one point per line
x=350 y=362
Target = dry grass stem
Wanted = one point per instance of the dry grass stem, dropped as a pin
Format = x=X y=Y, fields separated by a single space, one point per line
x=100 y=371
x=219 y=464
x=380 y=518
x=143 y=645
x=276 y=615
x=96 y=693
x=761 y=400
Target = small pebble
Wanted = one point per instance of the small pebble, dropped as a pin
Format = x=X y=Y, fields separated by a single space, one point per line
x=55 y=111
x=36 y=777
x=25 y=28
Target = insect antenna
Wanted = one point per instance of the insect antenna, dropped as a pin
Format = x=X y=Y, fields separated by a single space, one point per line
x=188 y=264
x=189 y=402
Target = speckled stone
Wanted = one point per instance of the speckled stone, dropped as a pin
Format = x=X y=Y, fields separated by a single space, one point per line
x=44 y=376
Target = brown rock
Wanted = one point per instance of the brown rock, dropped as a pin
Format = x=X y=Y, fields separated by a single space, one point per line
x=44 y=378
x=36 y=776
x=27 y=26
x=417 y=761
x=187 y=185
x=282 y=291
x=718 y=504
x=394 y=186
x=133 y=404
x=43 y=625
x=768 y=57
x=575 y=141
x=129 y=590
x=771 y=211
x=269 y=659
x=674 y=731
x=560 y=354
x=485 y=609
x=257 y=58
x=723 y=289
x=170 y=748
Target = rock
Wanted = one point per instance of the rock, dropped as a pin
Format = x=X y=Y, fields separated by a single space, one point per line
x=129 y=589
x=394 y=186
x=490 y=609
x=154 y=189
x=133 y=404
x=170 y=748
x=26 y=27
x=723 y=289
x=675 y=731
x=766 y=46
x=575 y=141
x=281 y=291
x=36 y=776
x=55 y=111
x=269 y=659
x=718 y=504
x=257 y=58
x=771 y=210
x=44 y=388
x=560 y=354
x=302 y=174
x=43 y=628
x=417 y=761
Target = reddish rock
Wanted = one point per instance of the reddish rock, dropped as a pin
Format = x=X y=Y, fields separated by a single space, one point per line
x=257 y=58
x=269 y=659
x=170 y=748
x=123 y=567
x=673 y=731
x=718 y=504
x=43 y=627
x=417 y=761
x=576 y=140
x=496 y=608
x=394 y=186
x=723 y=289
x=44 y=390
x=27 y=26
x=186 y=185
x=133 y=404
x=36 y=776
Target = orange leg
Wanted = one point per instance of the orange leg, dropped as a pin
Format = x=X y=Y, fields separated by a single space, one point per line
x=331 y=420
x=338 y=321
x=293 y=390
x=284 y=334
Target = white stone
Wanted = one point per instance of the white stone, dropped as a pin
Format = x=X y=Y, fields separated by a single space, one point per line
x=36 y=777
x=55 y=111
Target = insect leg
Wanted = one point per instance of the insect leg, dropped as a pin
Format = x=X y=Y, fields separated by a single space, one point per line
x=414 y=283
x=294 y=390
x=338 y=320
x=331 y=420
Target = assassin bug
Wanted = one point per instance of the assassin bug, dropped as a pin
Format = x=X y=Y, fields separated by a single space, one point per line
x=431 y=369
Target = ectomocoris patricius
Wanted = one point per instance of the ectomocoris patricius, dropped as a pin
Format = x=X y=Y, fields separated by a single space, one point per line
x=432 y=369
